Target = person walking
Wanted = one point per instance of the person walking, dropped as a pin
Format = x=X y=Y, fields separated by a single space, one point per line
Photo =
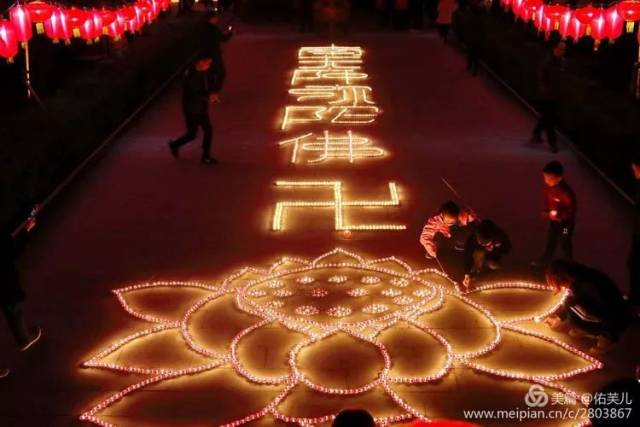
x=634 y=257
x=548 y=87
x=12 y=296
x=560 y=210
x=199 y=88
x=476 y=10
x=213 y=39
x=445 y=17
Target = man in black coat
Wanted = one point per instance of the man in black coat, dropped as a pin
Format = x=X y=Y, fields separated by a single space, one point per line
x=213 y=39
x=484 y=250
x=634 y=257
x=12 y=296
x=199 y=87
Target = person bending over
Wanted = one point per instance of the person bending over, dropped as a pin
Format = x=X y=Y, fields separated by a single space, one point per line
x=449 y=215
x=595 y=307
x=484 y=250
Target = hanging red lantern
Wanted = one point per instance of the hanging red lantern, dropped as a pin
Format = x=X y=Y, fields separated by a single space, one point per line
x=108 y=16
x=598 y=27
x=555 y=13
x=530 y=9
x=613 y=23
x=98 y=23
x=39 y=11
x=115 y=30
x=538 y=17
x=77 y=17
x=8 y=40
x=516 y=7
x=21 y=21
x=89 y=31
x=629 y=10
x=564 y=26
x=57 y=26
x=576 y=29
x=586 y=14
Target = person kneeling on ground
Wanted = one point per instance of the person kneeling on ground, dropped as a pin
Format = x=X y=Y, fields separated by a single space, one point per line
x=449 y=215
x=595 y=307
x=484 y=249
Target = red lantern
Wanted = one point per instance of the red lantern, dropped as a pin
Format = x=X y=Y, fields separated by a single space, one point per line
x=629 y=10
x=555 y=13
x=517 y=7
x=91 y=28
x=539 y=17
x=8 y=40
x=108 y=16
x=57 y=26
x=598 y=27
x=586 y=14
x=564 y=27
x=115 y=30
x=21 y=23
x=39 y=11
x=77 y=17
x=530 y=8
x=613 y=23
x=576 y=29
x=98 y=23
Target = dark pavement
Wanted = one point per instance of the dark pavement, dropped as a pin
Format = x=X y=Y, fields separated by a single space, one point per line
x=139 y=215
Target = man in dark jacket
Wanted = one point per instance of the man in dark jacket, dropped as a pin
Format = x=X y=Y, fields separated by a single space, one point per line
x=634 y=258
x=484 y=250
x=548 y=86
x=199 y=88
x=595 y=306
x=213 y=39
x=12 y=296
x=560 y=209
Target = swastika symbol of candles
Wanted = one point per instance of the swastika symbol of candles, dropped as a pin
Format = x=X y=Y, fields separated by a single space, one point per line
x=328 y=86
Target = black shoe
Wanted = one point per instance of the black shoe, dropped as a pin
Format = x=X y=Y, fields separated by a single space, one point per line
x=175 y=151
x=209 y=161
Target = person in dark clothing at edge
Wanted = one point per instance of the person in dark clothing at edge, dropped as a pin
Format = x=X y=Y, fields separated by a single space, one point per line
x=476 y=11
x=199 y=88
x=560 y=209
x=213 y=39
x=548 y=89
x=12 y=296
x=594 y=308
x=634 y=257
x=484 y=249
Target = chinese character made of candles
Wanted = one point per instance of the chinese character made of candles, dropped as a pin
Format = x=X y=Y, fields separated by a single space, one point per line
x=338 y=203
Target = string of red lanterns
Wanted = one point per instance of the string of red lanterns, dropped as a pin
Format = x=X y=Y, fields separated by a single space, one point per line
x=64 y=23
x=599 y=23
